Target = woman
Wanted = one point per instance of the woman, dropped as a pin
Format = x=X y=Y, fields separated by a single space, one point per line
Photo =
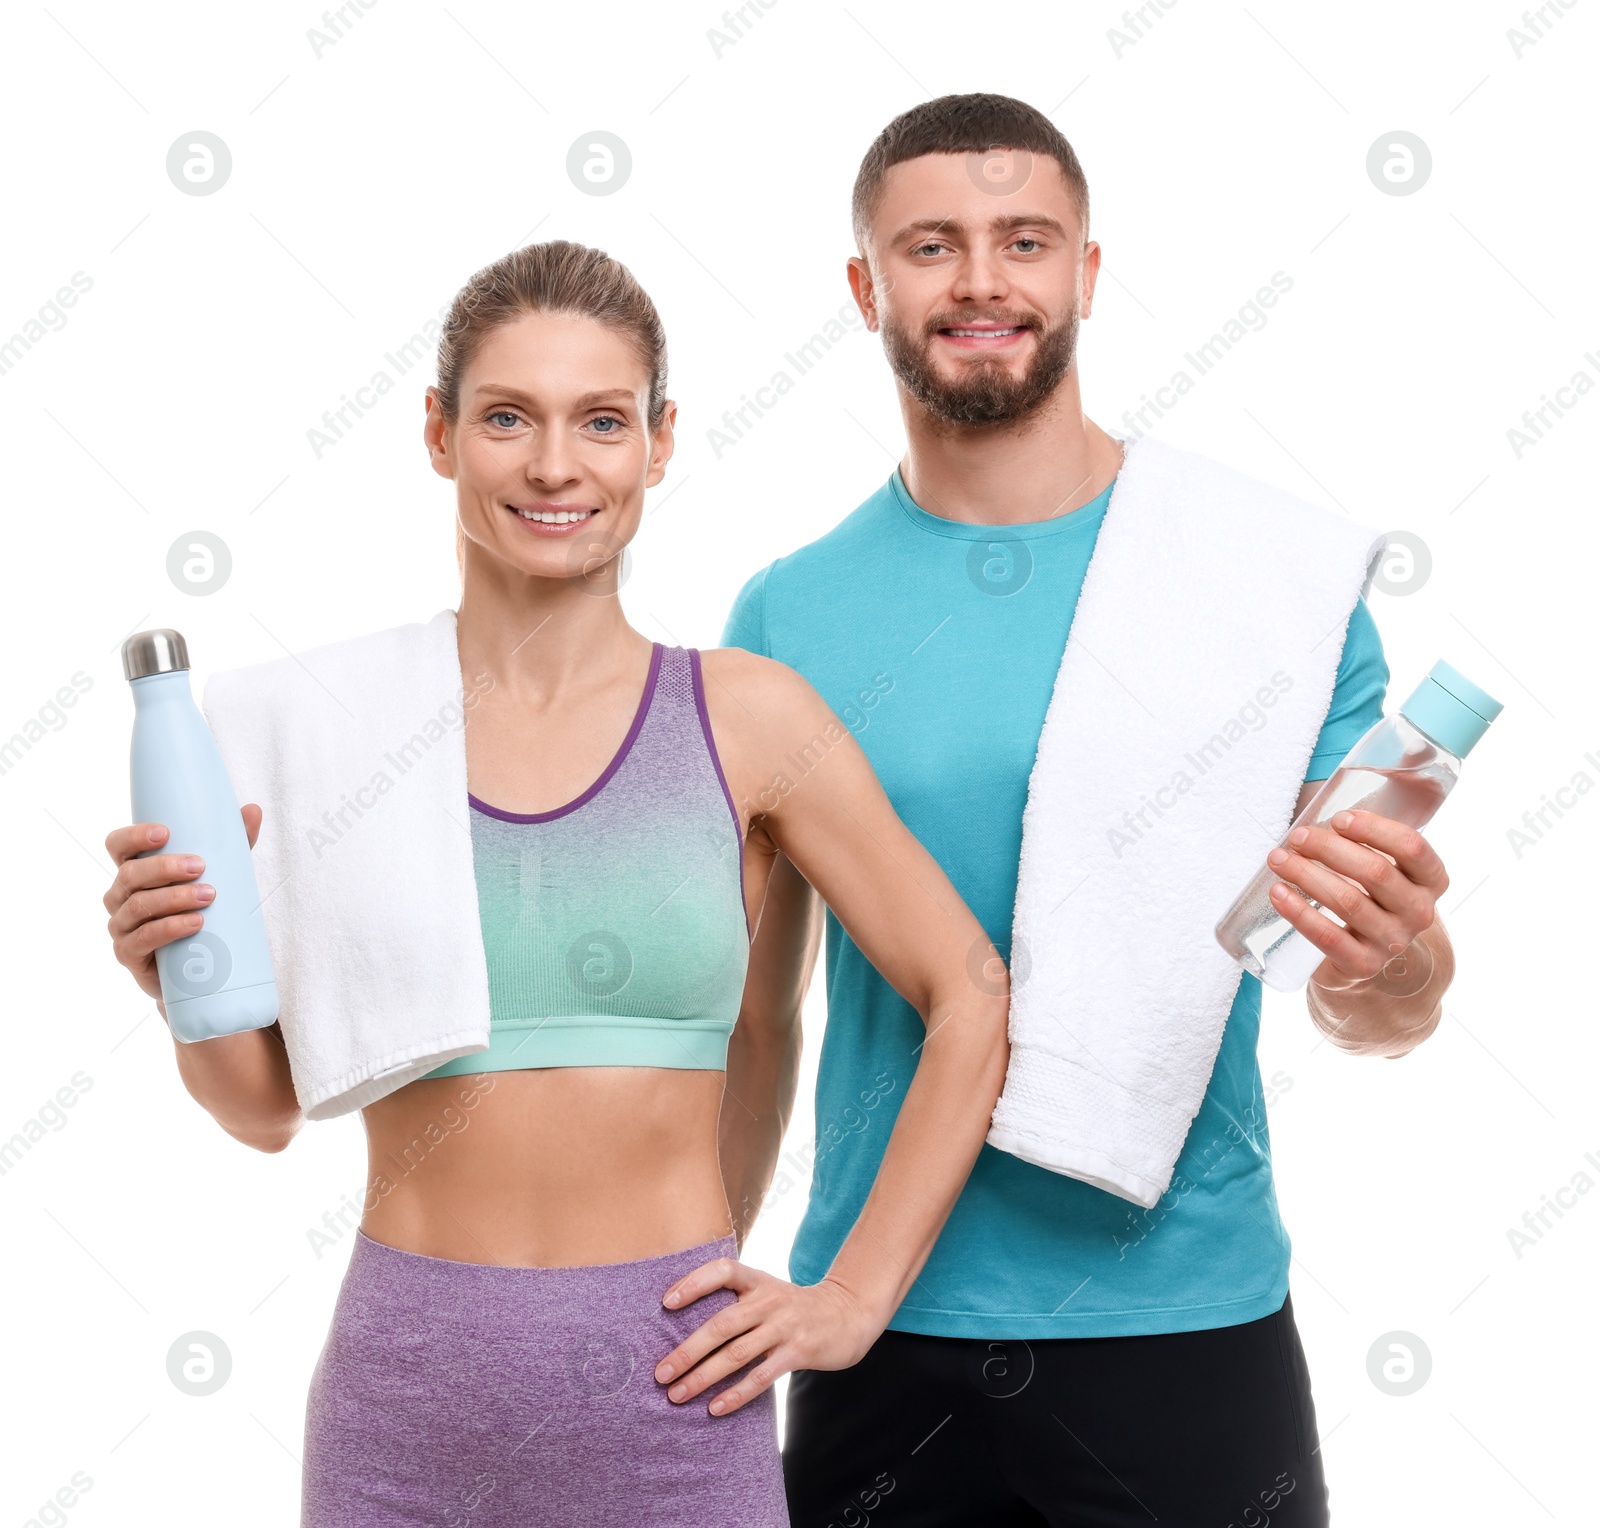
x=496 y=1353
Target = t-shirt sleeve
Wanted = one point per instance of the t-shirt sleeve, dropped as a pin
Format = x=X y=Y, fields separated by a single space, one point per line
x=1358 y=693
x=747 y=621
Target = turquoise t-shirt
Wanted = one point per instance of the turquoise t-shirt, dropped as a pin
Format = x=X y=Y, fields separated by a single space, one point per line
x=937 y=644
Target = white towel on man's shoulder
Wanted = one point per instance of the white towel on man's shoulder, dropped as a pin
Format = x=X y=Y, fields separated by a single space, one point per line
x=1197 y=674
x=355 y=752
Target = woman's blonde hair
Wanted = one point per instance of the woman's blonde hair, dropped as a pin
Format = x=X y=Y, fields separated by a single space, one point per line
x=555 y=277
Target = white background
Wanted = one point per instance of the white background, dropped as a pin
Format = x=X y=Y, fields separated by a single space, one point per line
x=1223 y=145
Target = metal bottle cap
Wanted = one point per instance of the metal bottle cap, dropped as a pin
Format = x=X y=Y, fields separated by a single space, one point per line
x=154 y=652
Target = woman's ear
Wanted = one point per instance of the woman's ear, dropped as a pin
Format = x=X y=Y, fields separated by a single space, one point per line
x=662 y=444
x=434 y=433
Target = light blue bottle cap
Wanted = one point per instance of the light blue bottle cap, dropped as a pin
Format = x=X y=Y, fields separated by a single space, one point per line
x=1451 y=709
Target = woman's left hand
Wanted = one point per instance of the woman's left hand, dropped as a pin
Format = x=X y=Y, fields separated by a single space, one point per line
x=787 y=1326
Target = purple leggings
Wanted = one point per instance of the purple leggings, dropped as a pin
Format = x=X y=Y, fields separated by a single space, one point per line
x=468 y=1395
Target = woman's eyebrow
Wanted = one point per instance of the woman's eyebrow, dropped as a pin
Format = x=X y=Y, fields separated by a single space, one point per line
x=583 y=401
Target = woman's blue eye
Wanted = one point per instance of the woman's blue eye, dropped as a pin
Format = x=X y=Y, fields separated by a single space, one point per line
x=607 y=420
x=500 y=414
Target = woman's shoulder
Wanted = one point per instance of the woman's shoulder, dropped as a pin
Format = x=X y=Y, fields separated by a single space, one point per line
x=759 y=702
x=755 y=677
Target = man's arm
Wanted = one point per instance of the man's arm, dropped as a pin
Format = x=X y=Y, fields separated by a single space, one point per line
x=1393 y=1012
x=764 y=1050
x=1380 y=989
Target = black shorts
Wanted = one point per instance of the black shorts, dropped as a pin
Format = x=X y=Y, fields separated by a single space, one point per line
x=1209 y=1429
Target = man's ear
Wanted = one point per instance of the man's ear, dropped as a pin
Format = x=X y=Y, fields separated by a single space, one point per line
x=1090 y=274
x=864 y=288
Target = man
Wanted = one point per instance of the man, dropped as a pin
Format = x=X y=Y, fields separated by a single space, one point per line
x=1062 y=1358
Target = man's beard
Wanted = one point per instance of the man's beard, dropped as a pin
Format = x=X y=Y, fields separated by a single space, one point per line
x=984 y=393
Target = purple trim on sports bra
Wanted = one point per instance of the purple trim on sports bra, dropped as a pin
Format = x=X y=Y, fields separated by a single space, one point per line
x=699 y=686
x=594 y=790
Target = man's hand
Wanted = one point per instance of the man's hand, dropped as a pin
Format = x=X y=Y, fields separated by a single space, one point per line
x=795 y=1326
x=1380 y=988
x=1379 y=875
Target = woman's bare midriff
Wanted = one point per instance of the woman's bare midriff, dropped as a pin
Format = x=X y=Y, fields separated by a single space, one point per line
x=555 y=1167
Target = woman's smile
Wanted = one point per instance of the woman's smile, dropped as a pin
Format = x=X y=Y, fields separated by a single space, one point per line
x=550 y=517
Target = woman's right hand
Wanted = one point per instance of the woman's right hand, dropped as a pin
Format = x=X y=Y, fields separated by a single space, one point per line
x=157 y=899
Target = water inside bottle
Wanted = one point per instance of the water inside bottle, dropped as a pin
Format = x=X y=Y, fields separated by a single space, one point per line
x=1267 y=944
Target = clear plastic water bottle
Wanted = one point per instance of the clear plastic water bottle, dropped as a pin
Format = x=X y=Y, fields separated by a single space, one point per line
x=219 y=980
x=1402 y=767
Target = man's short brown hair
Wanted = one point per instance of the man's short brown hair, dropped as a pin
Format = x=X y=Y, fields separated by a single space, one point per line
x=963 y=124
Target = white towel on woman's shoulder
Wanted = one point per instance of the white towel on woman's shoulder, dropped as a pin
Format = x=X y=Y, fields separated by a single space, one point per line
x=355 y=752
x=1196 y=677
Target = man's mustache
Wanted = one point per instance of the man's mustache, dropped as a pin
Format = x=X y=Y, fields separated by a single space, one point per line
x=965 y=319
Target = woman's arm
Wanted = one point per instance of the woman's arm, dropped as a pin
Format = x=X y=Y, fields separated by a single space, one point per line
x=812 y=792
x=242 y=1080
x=764 y=1050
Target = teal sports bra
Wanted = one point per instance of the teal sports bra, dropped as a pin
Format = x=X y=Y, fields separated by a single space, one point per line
x=614 y=927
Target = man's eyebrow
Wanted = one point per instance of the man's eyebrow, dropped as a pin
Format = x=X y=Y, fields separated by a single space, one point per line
x=1001 y=224
x=1027 y=220
x=925 y=225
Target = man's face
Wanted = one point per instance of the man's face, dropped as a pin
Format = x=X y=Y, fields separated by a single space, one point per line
x=977 y=274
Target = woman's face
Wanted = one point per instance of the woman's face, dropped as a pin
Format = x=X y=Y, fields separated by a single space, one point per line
x=552 y=449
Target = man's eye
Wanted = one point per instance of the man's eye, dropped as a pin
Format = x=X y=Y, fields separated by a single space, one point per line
x=927 y=249
x=1025 y=246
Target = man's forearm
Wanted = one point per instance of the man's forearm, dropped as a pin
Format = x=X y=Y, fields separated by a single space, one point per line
x=936 y=1138
x=1393 y=1012
x=764 y=1049
x=763 y=1071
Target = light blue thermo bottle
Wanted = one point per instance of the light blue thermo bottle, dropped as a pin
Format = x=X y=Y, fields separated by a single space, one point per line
x=217 y=981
